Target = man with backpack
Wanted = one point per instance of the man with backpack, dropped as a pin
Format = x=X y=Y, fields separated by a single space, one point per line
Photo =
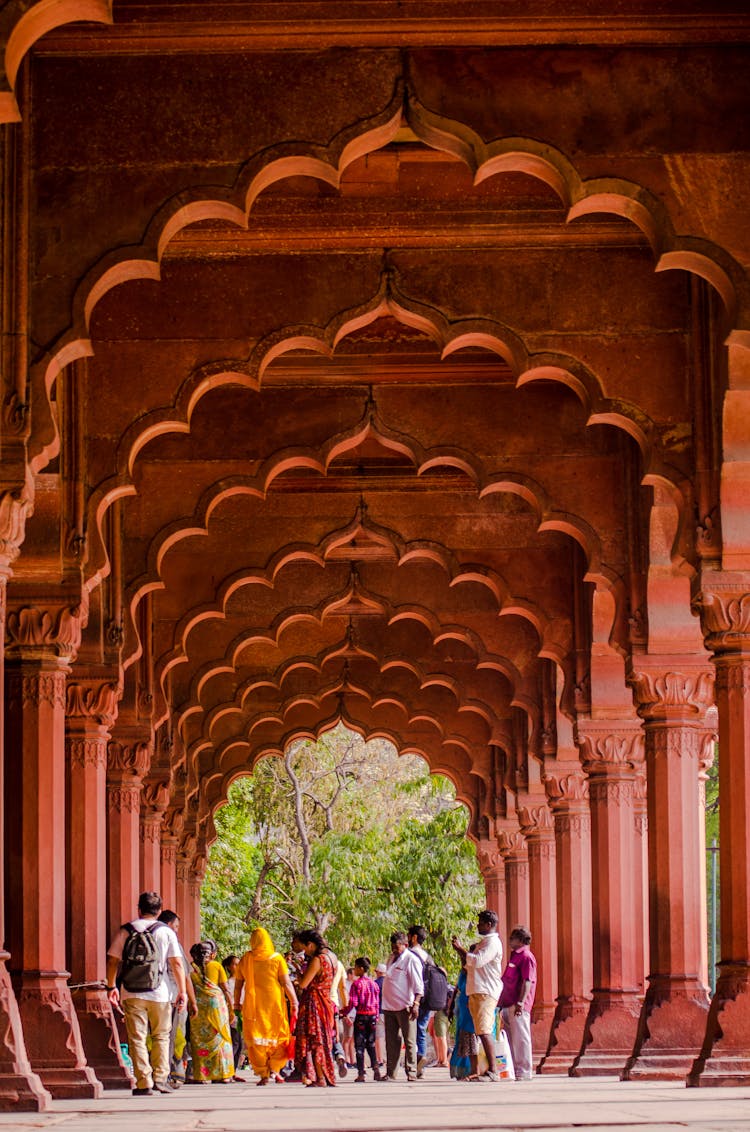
x=137 y=962
x=435 y=991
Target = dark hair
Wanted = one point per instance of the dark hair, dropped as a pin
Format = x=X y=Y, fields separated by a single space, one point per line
x=488 y=917
x=363 y=962
x=168 y=916
x=522 y=933
x=202 y=951
x=149 y=903
x=225 y=962
x=309 y=935
x=398 y=937
x=419 y=932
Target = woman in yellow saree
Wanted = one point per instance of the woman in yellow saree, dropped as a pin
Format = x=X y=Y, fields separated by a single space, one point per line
x=210 y=1035
x=264 y=975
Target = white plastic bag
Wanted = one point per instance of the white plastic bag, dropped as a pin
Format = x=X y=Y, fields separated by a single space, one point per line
x=503 y=1059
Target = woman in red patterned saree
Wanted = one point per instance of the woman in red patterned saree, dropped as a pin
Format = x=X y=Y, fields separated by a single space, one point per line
x=314 y=1035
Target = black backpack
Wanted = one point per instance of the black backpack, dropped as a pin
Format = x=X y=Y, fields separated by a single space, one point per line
x=435 y=994
x=140 y=966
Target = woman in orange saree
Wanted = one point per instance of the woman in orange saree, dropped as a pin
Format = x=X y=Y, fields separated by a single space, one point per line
x=264 y=976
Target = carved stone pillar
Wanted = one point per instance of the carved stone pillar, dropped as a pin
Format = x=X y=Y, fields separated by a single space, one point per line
x=568 y=794
x=20 y=1087
x=127 y=762
x=640 y=873
x=168 y=870
x=154 y=800
x=706 y=762
x=39 y=643
x=195 y=882
x=91 y=711
x=610 y=751
x=184 y=907
x=512 y=845
x=492 y=867
x=538 y=829
x=724 y=1058
x=673 y=706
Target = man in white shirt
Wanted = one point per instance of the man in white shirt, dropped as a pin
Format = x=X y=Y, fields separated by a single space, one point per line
x=484 y=982
x=401 y=995
x=149 y=1010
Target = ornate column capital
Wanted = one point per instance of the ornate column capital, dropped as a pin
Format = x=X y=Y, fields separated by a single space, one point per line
x=723 y=605
x=663 y=692
x=48 y=627
x=610 y=747
x=127 y=762
x=512 y=844
x=91 y=700
x=489 y=857
x=168 y=848
x=566 y=786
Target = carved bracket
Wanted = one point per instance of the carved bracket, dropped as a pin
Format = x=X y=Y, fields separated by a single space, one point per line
x=660 y=693
x=94 y=700
x=31 y=630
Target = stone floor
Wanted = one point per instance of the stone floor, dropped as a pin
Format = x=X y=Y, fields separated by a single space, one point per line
x=434 y=1103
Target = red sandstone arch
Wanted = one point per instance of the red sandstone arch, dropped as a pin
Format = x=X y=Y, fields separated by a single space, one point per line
x=23 y=22
x=217 y=785
x=611 y=196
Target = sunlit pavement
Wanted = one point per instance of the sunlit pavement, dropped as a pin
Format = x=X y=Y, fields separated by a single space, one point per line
x=436 y=1102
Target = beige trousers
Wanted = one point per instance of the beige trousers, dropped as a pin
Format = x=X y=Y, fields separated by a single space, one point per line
x=142 y=1015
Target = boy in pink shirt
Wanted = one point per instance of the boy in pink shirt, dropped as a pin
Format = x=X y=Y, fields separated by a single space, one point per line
x=364 y=999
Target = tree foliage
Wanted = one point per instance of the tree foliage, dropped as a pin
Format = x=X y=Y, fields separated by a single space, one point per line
x=348 y=837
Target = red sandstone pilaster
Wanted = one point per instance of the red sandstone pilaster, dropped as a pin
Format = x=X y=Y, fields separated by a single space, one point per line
x=673 y=705
x=184 y=906
x=610 y=751
x=39 y=643
x=168 y=855
x=513 y=848
x=538 y=829
x=724 y=1058
x=567 y=791
x=492 y=866
x=640 y=873
x=91 y=711
x=127 y=761
x=155 y=796
x=20 y=1088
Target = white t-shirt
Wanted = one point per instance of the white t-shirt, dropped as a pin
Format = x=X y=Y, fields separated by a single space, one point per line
x=169 y=948
x=484 y=967
x=402 y=981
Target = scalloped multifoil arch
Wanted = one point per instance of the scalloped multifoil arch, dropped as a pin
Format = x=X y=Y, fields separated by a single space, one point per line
x=214 y=786
x=466 y=702
x=529 y=367
x=287 y=618
x=531 y=491
x=23 y=23
x=606 y=196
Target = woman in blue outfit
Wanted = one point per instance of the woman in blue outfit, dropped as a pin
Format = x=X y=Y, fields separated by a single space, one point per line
x=466 y=1046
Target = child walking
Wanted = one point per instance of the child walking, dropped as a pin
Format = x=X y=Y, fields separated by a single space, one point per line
x=364 y=999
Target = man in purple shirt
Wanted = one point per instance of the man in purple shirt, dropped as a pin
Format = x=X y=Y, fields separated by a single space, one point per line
x=517 y=999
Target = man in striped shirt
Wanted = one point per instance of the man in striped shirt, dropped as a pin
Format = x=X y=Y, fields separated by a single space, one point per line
x=364 y=999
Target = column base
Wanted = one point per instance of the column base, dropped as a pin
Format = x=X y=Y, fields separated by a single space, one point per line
x=21 y=1090
x=566 y=1037
x=541 y=1024
x=671 y=1029
x=101 y=1041
x=725 y=1055
x=53 y=1036
x=608 y=1036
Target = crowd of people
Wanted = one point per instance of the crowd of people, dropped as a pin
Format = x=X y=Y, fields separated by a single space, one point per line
x=302 y=1016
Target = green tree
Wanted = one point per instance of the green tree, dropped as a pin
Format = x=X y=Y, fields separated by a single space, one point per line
x=349 y=837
